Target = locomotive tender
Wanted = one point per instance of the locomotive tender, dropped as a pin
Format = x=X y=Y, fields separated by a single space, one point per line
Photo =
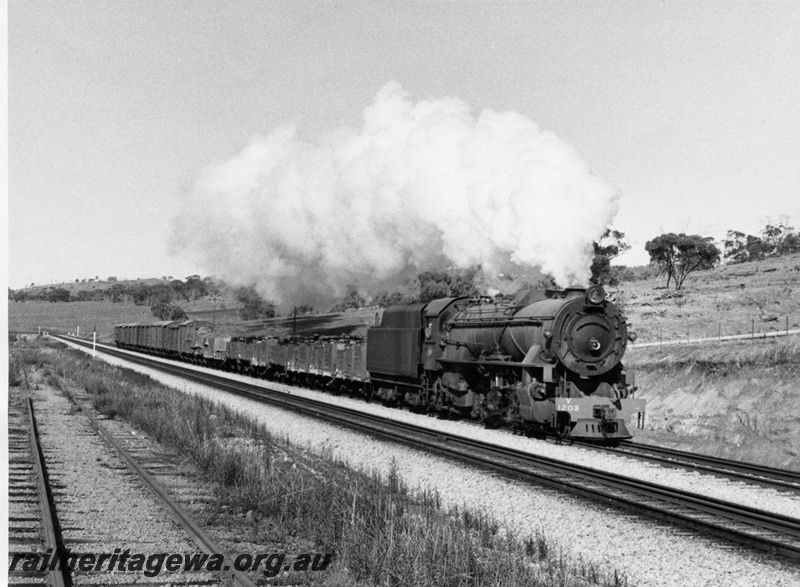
x=542 y=362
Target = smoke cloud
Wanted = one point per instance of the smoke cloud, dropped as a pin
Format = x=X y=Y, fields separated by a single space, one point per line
x=420 y=186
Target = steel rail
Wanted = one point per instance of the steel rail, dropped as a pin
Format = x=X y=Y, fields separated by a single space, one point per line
x=761 y=475
x=758 y=529
x=204 y=541
x=57 y=577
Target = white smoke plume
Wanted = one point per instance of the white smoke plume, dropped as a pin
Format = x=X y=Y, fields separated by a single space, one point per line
x=420 y=186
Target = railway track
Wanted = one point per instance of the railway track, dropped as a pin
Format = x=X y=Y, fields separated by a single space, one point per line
x=766 y=531
x=207 y=544
x=748 y=472
x=780 y=479
x=32 y=524
x=37 y=495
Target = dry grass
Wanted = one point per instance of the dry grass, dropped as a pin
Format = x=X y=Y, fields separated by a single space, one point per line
x=728 y=300
x=380 y=530
x=68 y=316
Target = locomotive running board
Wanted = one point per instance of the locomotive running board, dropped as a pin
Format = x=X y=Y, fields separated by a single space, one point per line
x=539 y=364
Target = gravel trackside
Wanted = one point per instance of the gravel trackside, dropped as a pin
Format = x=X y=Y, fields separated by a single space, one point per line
x=650 y=554
x=100 y=504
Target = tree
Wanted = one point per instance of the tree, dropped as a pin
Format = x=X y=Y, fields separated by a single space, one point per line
x=86 y=295
x=447 y=283
x=791 y=244
x=57 y=294
x=195 y=287
x=776 y=239
x=352 y=300
x=678 y=255
x=117 y=292
x=19 y=295
x=757 y=249
x=158 y=293
x=167 y=311
x=610 y=245
x=385 y=299
x=780 y=238
x=735 y=247
x=253 y=305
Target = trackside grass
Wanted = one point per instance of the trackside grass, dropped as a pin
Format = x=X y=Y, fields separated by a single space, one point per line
x=380 y=531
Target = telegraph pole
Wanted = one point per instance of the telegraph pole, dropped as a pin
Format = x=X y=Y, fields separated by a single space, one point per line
x=214 y=299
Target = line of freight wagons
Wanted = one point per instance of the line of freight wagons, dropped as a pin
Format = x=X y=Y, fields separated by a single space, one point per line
x=319 y=360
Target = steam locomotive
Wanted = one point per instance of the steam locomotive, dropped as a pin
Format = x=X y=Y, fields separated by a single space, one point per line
x=542 y=362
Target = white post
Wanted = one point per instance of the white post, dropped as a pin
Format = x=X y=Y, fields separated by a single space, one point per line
x=79 y=332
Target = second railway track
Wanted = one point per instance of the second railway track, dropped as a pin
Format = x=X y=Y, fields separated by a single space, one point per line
x=71 y=500
x=766 y=531
x=31 y=516
x=766 y=476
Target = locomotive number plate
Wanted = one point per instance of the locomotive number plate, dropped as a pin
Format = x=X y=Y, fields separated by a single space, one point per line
x=567 y=408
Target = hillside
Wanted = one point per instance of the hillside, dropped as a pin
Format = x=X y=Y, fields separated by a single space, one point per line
x=731 y=299
x=96 y=283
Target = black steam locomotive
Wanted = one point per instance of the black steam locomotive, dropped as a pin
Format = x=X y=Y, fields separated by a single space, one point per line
x=542 y=362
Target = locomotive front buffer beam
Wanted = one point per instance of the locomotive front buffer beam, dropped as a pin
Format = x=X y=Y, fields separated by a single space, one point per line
x=597 y=418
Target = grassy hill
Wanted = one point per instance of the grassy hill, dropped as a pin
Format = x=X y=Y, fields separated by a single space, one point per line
x=731 y=299
x=74 y=287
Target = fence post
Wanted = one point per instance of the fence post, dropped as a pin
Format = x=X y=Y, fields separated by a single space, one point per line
x=753 y=328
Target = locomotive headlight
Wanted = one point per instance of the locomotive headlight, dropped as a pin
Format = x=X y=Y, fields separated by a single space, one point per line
x=595 y=295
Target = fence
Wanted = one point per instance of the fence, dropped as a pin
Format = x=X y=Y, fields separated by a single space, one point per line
x=701 y=333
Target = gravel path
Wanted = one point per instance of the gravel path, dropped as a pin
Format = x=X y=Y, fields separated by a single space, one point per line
x=650 y=554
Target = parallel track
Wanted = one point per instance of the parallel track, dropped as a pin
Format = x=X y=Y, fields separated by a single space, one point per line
x=198 y=536
x=29 y=489
x=758 y=529
x=748 y=472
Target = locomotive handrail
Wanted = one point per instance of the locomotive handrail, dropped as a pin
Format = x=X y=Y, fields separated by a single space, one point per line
x=513 y=321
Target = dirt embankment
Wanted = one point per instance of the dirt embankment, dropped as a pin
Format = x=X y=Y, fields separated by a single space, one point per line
x=738 y=401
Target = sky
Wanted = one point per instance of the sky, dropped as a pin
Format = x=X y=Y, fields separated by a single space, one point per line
x=116 y=110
